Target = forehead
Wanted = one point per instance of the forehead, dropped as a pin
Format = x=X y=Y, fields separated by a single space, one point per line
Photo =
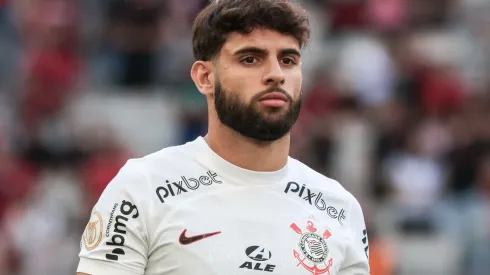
x=260 y=38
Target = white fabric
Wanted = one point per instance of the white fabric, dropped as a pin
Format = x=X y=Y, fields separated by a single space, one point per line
x=255 y=213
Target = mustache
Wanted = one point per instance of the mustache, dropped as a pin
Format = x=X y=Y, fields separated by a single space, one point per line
x=272 y=90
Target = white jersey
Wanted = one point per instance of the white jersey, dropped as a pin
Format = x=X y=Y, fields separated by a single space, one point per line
x=185 y=210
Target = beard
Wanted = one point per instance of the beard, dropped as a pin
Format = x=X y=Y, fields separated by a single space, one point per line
x=269 y=124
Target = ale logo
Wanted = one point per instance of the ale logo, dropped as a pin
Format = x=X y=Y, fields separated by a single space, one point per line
x=258 y=255
x=93 y=232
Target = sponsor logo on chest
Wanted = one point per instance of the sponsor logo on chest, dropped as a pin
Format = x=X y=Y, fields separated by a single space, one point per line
x=315 y=199
x=185 y=184
x=259 y=257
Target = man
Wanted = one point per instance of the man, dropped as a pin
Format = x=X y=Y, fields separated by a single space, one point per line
x=232 y=202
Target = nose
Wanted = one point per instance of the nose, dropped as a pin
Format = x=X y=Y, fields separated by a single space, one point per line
x=274 y=74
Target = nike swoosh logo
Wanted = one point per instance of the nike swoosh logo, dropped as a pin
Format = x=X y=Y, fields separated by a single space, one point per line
x=185 y=240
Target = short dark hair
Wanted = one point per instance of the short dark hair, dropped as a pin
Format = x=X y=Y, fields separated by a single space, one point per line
x=222 y=17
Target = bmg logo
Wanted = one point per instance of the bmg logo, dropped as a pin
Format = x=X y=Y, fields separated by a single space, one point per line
x=118 y=239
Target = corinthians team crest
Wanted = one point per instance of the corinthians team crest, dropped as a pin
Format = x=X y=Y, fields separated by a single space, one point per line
x=313 y=252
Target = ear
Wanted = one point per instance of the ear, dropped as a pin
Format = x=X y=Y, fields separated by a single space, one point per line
x=202 y=73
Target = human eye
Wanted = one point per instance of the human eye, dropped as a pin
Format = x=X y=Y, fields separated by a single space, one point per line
x=249 y=60
x=289 y=61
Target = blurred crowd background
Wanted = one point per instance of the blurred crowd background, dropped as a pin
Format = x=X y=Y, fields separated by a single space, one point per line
x=396 y=107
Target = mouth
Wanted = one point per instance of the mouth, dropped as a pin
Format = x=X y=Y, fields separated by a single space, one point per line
x=274 y=99
x=274 y=96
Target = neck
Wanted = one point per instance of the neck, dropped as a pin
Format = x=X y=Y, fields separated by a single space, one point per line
x=247 y=153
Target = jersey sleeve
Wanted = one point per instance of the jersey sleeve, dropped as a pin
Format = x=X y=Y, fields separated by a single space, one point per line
x=115 y=240
x=357 y=256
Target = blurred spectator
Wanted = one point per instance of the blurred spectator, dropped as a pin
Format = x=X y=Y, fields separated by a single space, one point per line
x=50 y=81
x=382 y=256
x=322 y=98
x=17 y=179
x=106 y=157
x=366 y=69
x=17 y=182
x=50 y=209
x=134 y=34
x=387 y=15
x=50 y=85
x=353 y=148
x=430 y=13
x=347 y=15
x=320 y=101
x=477 y=221
x=441 y=91
x=393 y=127
x=9 y=48
x=417 y=178
x=49 y=69
x=471 y=136
x=47 y=24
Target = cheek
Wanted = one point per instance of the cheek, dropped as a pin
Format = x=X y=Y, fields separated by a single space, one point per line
x=295 y=80
x=241 y=85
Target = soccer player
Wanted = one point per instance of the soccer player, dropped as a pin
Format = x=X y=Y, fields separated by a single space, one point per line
x=232 y=202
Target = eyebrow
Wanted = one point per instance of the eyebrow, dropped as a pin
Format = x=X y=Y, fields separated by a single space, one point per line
x=256 y=50
x=290 y=52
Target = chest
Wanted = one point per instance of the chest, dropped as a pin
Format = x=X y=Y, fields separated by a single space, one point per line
x=247 y=232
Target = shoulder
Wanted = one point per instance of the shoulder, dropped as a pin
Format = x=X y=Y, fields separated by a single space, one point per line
x=165 y=159
x=137 y=173
x=174 y=173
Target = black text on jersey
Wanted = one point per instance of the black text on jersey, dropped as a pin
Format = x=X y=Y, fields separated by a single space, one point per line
x=316 y=200
x=120 y=228
x=365 y=242
x=184 y=185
